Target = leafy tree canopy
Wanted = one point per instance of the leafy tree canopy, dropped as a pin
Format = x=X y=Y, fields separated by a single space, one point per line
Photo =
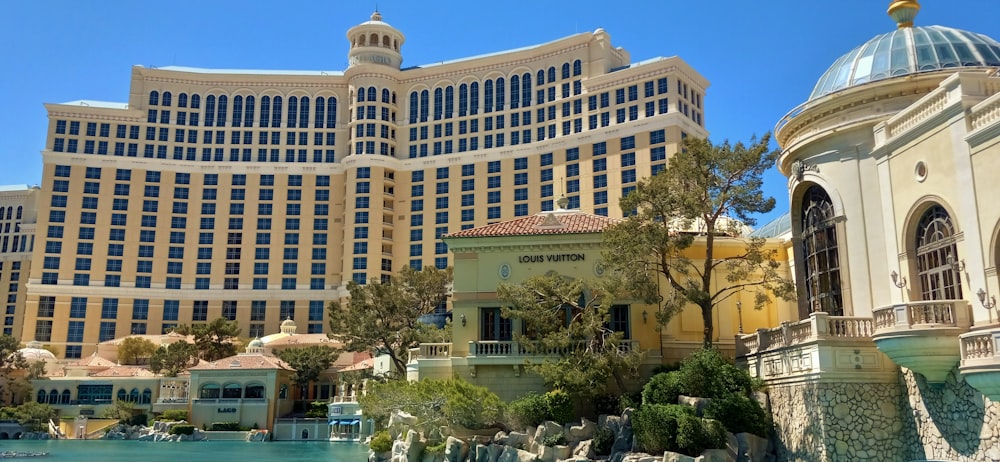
x=174 y=358
x=708 y=193
x=570 y=322
x=308 y=362
x=383 y=317
x=135 y=350
x=216 y=339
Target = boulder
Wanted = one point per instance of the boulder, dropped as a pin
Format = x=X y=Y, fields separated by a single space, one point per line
x=716 y=455
x=584 y=449
x=512 y=454
x=750 y=447
x=584 y=431
x=493 y=453
x=677 y=457
x=455 y=450
x=640 y=457
x=518 y=440
x=623 y=434
x=699 y=404
x=500 y=438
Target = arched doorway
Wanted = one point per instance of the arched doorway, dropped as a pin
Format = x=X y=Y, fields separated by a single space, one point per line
x=820 y=253
x=937 y=253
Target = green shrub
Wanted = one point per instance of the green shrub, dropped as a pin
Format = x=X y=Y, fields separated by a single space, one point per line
x=554 y=440
x=381 y=442
x=675 y=428
x=181 y=430
x=224 y=426
x=174 y=415
x=705 y=374
x=560 y=406
x=470 y=406
x=529 y=410
x=317 y=409
x=604 y=440
x=740 y=414
x=457 y=403
x=436 y=448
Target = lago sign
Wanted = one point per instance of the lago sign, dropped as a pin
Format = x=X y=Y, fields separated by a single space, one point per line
x=551 y=258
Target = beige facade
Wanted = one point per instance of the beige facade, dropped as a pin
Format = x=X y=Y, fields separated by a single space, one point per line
x=257 y=195
x=17 y=238
x=569 y=243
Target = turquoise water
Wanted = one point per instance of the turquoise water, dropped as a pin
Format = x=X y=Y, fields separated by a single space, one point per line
x=203 y=451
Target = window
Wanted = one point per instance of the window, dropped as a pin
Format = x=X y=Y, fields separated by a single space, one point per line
x=821 y=254
x=493 y=326
x=936 y=251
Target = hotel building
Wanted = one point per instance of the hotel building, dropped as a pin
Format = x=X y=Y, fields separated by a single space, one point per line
x=257 y=195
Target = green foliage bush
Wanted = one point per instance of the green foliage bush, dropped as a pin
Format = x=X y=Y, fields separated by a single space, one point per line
x=675 y=428
x=469 y=405
x=224 y=426
x=705 y=374
x=529 y=410
x=174 y=415
x=436 y=449
x=317 y=409
x=181 y=430
x=381 y=442
x=604 y=440
x=434 y=403
x=557 y=439
x=739 y=414
x=560 y=406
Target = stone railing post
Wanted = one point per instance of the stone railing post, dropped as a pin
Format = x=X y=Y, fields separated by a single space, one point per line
x=819 y=324
x=786 y=334
x=902 y=315
x=996 y=344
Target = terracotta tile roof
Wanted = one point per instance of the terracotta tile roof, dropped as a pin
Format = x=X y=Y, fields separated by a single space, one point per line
x=244 y=361
x=125 y=371
x=557 y=222
x=300 y=340
x=351 y=361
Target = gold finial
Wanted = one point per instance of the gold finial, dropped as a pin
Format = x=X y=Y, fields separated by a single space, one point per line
x=903 y=12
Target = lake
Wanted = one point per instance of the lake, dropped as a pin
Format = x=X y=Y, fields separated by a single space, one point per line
x=199 y=451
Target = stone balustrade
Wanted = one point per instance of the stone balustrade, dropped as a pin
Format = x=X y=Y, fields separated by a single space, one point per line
x=510 y=348
x=923 y=336
x=819 y=326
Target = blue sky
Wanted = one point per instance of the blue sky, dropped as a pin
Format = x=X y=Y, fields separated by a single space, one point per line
x=762 y=58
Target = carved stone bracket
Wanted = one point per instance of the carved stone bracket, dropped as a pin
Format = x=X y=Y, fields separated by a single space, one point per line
x=799 y=169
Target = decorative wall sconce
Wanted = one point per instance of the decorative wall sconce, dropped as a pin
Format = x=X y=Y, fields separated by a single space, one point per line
x=989 y=305
x=645 y=315
x=956 y=266
x=462 y=318
x=897 y=280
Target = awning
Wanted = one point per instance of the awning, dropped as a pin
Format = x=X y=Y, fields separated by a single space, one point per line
x=353 y=422
x=336 y=422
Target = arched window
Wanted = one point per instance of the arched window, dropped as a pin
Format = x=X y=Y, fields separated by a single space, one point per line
x=305 y=434
x=64 y=398
x=320 y=116
x=488 y=96
x=393 y=98
x=182 y=100
x=121 y=395
x=463 y=99
x=237 y=111
x=526 y=89
x=331 y=112
x=425 y=102
x=209 y=391
x=936 y=251
x=167 y=98
x=438 y=103
x=372 y=94
x=223 y=105
x=53 y=397
x=361 y=94
x=361 y=40
x=501 y=97
x=41 y=396
x=276 y=112
x=133 y=396
x=474 y=98
x=449 y=101
x=154 y=98
x=254 y=391
x=19 y=210
x=385 y=95
x=304 y=112
x=577 y=67
x=265 y=111
x=541 y=77
x=552 y=75
x=283 y=391
x=293 y=111
x=147 y=396
x=373 y=39
x=195 y=101
x=414 y=107
x=210 y=110
x=515 y=92
x=565 y=70
x=10 y=210
x=248 y=117
x=232 y=390
x=385 y=41
x=821 y=253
